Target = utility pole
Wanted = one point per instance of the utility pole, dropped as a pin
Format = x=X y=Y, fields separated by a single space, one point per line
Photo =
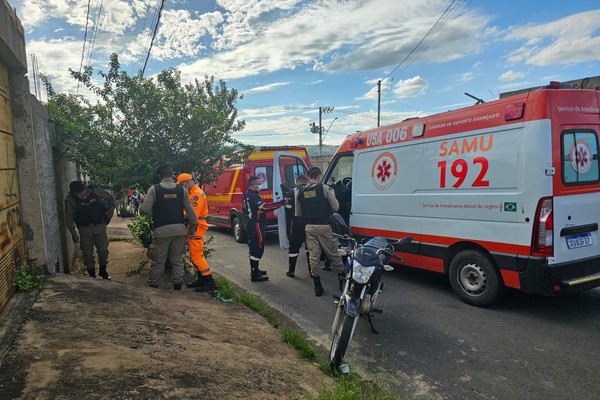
x=322 y=110
x=378 y=101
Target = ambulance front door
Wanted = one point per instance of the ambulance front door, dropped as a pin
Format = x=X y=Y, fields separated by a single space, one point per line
x=286 y=168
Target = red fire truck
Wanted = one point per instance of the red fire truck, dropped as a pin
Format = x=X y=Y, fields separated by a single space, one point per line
x=225 y=194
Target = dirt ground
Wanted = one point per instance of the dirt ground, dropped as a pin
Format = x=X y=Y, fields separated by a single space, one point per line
x=87 y=338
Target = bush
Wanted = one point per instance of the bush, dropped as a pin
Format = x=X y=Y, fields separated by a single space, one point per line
x=27 y=277
x=141 y=229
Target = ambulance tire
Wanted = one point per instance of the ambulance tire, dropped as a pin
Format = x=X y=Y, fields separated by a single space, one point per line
x=475 y=279
x=239 y=231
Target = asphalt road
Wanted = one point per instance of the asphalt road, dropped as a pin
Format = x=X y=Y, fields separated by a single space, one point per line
x=430 y=344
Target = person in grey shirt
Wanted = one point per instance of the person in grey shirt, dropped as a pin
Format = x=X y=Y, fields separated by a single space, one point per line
x=166 y=201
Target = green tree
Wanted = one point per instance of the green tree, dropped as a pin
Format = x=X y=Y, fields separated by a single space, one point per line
x=140 y=123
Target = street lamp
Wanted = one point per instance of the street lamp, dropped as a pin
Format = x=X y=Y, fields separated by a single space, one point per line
x=322 y=110
x=325 y=134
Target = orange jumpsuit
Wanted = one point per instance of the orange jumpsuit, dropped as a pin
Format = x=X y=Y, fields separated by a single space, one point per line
x=196 y=244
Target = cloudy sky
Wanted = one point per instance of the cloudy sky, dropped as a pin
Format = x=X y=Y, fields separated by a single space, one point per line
x=290 y=57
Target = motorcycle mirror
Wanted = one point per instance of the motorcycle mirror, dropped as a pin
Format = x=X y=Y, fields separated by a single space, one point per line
x=404 y=240
x=388 y=268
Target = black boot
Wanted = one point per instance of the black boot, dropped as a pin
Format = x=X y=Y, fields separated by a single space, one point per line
x=292 y=266
x=255 y=275
x=177 y=286
x=318 y=286
x=91 y=272
x=326 y=264
x=341 y=280
x=308 y=262
x=208 y=285
x=103 y=272
x=200 y=280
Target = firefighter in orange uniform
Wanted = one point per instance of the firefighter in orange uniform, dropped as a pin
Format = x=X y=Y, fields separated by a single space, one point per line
x=204 y=281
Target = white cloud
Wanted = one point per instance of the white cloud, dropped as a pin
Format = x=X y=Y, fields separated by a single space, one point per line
x=511 y=76
x=264 y=112
x=382 y=32
x=117 y=15
x=412 y=87
x=565 y=41
x=180 y=33
x=466 y=77
x=266 y=88
x=372 y=93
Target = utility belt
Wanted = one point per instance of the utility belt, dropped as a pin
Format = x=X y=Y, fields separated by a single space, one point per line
x=309 y=221
x=89 y=225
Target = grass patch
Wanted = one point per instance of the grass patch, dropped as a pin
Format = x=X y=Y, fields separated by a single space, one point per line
x=27 y=278
x=298 y=343
x=349 y=387
x=353 y=388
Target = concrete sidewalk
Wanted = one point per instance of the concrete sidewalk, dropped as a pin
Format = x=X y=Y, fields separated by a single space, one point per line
x=84 y=338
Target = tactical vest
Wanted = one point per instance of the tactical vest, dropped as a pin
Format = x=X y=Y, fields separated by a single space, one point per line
x=315 y=206
x=90 y=211
x=168 y=206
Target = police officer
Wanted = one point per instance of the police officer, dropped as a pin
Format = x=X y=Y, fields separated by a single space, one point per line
x=166 y=201
x=204 y=281
x=256 y=211
x=90 y=209
x=296 y=228
x=316 y=202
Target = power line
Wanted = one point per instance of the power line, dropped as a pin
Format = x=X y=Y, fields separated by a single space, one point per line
x=162 y=4
x=96 y=25
x=421 y=41
x=87 y=17
x=148 y=9
x=436 y=32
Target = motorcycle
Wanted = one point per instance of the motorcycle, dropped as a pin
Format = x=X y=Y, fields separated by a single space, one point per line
x=362 y=286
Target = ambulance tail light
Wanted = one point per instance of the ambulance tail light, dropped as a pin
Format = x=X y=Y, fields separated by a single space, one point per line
x=543 y=229
x=514 y=111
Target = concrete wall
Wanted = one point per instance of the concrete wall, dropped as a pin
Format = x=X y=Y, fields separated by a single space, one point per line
x=42 y=178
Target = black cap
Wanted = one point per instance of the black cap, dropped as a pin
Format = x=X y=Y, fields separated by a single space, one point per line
x=76 y=187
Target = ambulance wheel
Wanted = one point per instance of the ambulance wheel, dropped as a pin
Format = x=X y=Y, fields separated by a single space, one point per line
x=474 y=279
x=239 y=233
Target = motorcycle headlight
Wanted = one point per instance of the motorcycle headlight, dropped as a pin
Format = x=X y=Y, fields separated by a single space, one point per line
x=360 y=273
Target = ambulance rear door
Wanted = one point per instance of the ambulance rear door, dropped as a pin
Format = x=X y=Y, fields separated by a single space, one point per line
x=286 y=168
x=577 y=195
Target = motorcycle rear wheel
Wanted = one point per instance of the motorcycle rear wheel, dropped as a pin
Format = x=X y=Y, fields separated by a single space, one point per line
x=340 y=341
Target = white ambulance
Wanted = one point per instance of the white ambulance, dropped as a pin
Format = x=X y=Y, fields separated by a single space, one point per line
x=501 y=194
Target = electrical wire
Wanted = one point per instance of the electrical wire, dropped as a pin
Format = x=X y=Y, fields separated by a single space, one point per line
x=96 y=25
x=422 y=40
x=87 y=17
x=137 y=63
x=436 y=32
x=162 y=4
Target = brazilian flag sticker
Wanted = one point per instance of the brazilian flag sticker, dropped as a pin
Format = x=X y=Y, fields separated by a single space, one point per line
x=510 y=206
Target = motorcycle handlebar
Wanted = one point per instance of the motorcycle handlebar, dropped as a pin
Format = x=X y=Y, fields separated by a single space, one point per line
x=389 y=254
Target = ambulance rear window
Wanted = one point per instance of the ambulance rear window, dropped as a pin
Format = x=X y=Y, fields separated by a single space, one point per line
x=580 y=157
x=266 y=177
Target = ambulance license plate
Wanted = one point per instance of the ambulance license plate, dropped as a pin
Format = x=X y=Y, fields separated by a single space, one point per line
x=579 y=240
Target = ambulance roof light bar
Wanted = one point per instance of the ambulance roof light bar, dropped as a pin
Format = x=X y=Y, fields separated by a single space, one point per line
x=554 y=85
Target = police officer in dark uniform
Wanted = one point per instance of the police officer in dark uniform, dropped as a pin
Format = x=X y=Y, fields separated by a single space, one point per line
x=256 y=211
x=90 y=210
x=296 y=228
x=166 y=201
x=316 y=202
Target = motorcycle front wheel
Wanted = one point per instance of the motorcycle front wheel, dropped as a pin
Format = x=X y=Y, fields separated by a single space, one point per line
x=340 y=340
